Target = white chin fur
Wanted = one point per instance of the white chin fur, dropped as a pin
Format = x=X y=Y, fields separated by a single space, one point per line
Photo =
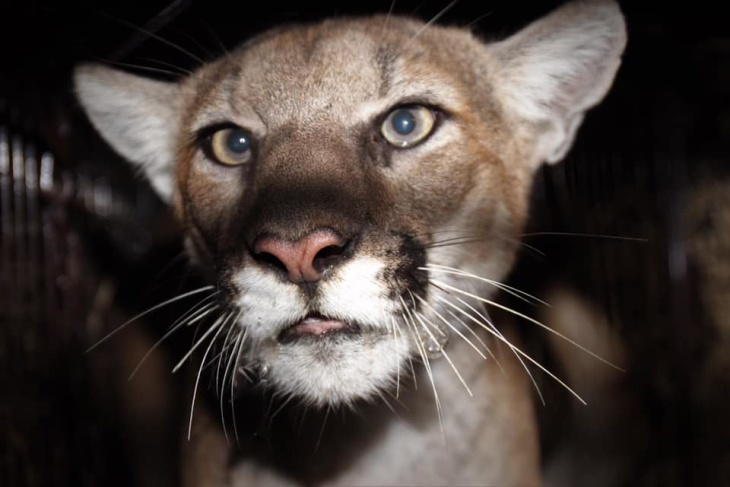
x=339 y=370
x=332 y=370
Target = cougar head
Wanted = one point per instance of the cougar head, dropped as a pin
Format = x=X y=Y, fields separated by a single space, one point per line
x=353 y=187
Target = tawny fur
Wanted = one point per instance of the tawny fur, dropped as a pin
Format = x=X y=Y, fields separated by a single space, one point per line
x=313 y=99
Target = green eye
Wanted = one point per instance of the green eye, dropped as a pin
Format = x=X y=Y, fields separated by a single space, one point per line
x=230 y=146
x=407 y=126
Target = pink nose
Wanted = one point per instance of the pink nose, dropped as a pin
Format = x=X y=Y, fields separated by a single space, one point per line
x=305 y=260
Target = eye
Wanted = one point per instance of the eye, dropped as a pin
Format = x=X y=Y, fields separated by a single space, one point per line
x=407 y=126
x=230 y=146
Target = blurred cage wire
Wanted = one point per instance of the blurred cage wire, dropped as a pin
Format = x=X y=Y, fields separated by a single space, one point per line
x=70 y=229
x=77 y=234
x=47 y=295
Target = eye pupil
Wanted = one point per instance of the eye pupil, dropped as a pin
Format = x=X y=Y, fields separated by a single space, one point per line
x=238 y=141
x=407 y=126
x=403 y=121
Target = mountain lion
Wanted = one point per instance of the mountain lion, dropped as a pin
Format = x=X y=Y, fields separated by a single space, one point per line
x=354 y=191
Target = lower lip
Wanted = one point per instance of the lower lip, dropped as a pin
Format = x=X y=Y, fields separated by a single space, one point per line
x=316 y=327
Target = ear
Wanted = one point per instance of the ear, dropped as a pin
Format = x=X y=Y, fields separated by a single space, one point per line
x=556 y=68
x=137 y=116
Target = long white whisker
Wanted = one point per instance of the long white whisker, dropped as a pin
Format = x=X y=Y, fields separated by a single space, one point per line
x=394 y=328
x=585 y=235
x=236 y=361
x=447 y=242
x=387 y=19
x=414 y=376
x=491 y=325
x=488 y=322
x=477 y=338
x=281 y=408
x=452 y=327
x=151 y=34
x=517 y=350
x=434 y=19
x=419 y=317
x=145 y=313
x=321 y=431
x=531 y=320
x=504 y=287
x=426 y=364
x=200 y=305
x=150 y=69
x=155 y=346
x=229 y=368
x=226 y=348
x=201 y=315
x=215 y=326
x=200 y=372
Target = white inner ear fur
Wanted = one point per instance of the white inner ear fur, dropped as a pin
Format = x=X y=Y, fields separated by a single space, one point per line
x=556 y=68
x=137 y=116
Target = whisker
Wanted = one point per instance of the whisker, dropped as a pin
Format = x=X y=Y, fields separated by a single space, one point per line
x=477 y=338
x=207 y=52
x=281 y=408
x=585 y=235
x=387 y=404
x=492 y=326
x=200 y=371
x=180 y=69
x=456 y=240
x=154 y=347
x=410 y=361
x=201 y=315
x=195 y=309
x=152 y=35
x=426 y=365
x=179 y=323
x=478 y=19
x=229 y=368
x=419 y=317
x=149 y=69
x=469 y=237
x=531 y=320
x=387 y=19
x=394 y=328
x=234 y=368
x=217 y=325
x=504 y=287
x=452 y=327
x=321 y=431
x=145 y=313
x=214 y=35
x=434 y=19
x=225 y=348
x=516 y=349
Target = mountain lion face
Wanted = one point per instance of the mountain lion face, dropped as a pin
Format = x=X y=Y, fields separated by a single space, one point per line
x=355 y=188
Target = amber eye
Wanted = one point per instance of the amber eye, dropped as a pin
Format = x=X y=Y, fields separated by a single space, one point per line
x=230 y=146
x=407 y=126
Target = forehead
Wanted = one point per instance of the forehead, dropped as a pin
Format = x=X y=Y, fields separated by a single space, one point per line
x=338 y=68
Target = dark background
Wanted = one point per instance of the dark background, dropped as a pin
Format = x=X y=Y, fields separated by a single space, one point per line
x=641 y=158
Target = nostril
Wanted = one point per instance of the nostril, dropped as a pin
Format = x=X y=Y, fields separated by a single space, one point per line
x=305 y=259
x=270 y=259
x=328 y=256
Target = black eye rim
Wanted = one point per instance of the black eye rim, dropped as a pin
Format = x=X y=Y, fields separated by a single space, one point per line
x=439 y=115
x=203 y=139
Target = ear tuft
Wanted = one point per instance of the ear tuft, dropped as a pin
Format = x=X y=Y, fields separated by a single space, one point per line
x=556 y=68
x=137 y=116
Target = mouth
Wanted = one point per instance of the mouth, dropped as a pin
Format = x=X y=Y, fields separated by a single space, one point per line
x=316 y=327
